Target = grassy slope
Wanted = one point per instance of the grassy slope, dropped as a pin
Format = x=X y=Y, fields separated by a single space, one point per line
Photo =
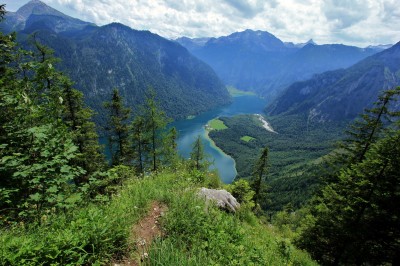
x=247 y=138
x=194 y=234
x=293 y=152
x=216 y=124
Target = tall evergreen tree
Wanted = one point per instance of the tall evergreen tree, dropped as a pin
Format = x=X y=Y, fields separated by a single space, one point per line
x=362 y=134
x=118 y=129
x=78 y=119
x=197 y=155
x=140 y=144
x=260 y=172
x=171 y=147
x=156 y=122
x=355 y=218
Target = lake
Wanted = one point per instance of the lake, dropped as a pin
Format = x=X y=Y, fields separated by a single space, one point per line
x=189 y=129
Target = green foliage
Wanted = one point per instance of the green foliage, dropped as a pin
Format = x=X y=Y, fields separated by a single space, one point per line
x=153 y=146
x=247 y=138
x=49 y=147
x=236 y=92
x=136 y=61
x=78 y=119
x=92 y=234
x=354 y=218
x=38 y=153
x=100 y=233
x=293 y=153
x=139 y=144
x=118 y=129
x=200 y=235
x=217 y=124
x=197 y=156
x=260 y=172
x=242 y=192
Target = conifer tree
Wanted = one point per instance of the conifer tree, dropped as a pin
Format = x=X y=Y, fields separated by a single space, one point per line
x=260 y=172
x=355 y=220
x=78 y=119
x=362 y=134
x=118 y=129
x=197 y=155
x=156 y=122
x=140 y=143
x=171 y=147
x=36 y=148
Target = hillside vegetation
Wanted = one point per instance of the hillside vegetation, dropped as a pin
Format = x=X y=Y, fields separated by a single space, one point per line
x=100 y=59
x=292 y=152
x=63 y=203
x=100 y=232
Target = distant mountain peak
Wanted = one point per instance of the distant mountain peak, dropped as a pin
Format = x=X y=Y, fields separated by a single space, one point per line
x=37 y=7
x=311 y=41
x=35 y=14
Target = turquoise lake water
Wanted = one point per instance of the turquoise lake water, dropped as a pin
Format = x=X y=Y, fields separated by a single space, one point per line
x=189 y=129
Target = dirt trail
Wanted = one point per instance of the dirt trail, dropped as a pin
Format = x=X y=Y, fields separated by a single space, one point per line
x=144 y=232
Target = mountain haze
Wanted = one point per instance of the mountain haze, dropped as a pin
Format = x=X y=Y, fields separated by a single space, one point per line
x=36 y=10
x=344 y=93
x=258 y=61
x=99 y=59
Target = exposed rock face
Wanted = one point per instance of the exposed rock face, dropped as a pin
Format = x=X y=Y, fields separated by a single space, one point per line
x=222 y=198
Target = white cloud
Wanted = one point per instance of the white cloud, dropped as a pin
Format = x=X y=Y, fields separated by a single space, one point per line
x=357 y=22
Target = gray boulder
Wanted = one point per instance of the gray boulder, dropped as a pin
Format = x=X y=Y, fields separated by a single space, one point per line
x=222 y=198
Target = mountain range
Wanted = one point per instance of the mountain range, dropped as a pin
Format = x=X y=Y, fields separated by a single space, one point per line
x=344 y=93
x=99 y=59
x=260 y=62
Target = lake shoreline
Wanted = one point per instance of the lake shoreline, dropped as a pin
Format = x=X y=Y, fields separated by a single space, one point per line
x=190 y=129
x=214 y=145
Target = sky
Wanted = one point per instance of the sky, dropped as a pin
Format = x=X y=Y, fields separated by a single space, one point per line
x=351 y=22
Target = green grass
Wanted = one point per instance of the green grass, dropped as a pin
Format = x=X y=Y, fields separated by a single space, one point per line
x=217 y=124
x=236 y=92
x=247 y=138
x=195 y=234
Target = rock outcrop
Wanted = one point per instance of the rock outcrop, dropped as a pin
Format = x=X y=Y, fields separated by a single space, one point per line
x=222 y=198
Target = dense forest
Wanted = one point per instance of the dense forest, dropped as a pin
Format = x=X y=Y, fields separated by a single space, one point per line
x=294 y=150
x=63 y=203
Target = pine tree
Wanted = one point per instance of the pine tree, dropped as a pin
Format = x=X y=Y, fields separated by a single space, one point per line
x=118 y=129
x=362 y=134
x=197 y=155
x=156 y=122
x=171 y=147
x=36 y=148
x=140 y=144
x=260 y=172
x=78 y=119
x=355 y=218
x=2 y=11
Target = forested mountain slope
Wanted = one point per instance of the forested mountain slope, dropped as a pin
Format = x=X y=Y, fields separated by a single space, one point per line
x=341 y=94
x=99 y=59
